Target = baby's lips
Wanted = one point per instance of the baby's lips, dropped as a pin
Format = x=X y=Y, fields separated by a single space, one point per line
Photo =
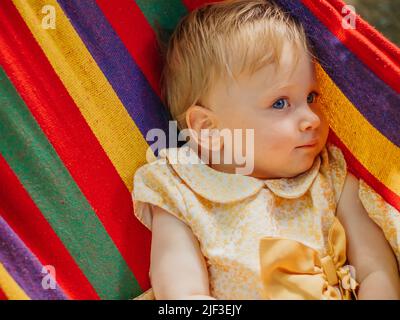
x=309 y=143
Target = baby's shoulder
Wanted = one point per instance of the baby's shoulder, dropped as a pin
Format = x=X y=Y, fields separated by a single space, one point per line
x=155 y=183
x=156 y=172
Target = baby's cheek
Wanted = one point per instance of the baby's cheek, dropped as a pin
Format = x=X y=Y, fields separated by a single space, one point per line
x=273 y=140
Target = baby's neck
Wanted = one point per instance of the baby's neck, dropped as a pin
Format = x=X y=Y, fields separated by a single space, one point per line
x=222 y=167
x=231 y=167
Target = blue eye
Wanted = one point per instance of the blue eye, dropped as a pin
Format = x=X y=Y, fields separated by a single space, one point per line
x=311 y=97
x=280 y=103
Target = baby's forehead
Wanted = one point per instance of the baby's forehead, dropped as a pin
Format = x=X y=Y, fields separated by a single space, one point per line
x=275 y=76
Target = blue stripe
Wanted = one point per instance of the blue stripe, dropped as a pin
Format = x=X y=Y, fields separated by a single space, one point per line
x=142 y=103
x=24 y=267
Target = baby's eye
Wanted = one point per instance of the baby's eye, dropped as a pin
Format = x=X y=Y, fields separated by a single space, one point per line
x=280 y=103
x=312 y=97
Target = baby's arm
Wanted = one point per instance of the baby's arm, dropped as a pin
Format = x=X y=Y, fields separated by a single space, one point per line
x=367 y=248
x=177 y=269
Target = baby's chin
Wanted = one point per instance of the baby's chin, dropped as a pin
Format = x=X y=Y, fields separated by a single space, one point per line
x=287 y=171
x=306 y=165
x=263 y=173
x=303 y=168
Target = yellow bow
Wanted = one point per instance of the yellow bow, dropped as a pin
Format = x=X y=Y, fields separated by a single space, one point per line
x=292 y=270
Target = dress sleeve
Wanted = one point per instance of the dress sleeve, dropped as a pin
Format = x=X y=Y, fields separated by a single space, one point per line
x=383 y=214
x=157 y=184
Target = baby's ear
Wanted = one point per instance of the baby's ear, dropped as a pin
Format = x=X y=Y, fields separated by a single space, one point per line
x=203 y=125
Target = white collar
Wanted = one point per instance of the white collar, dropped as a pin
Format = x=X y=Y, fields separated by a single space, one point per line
x=224 y=187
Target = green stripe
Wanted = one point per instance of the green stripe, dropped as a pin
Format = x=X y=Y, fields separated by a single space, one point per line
x=54 y=191
x=164 y=14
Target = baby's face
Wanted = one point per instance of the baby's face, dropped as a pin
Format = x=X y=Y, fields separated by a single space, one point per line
x=280 y=105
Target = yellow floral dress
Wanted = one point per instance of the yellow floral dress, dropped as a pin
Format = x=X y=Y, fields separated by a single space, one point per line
x=263 y=239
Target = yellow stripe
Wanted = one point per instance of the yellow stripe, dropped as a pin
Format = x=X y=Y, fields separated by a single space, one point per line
x=10 y=288
x=371 y=148
x=100 y=106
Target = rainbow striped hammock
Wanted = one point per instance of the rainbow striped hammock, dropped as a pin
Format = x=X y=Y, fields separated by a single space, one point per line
x=77 y=101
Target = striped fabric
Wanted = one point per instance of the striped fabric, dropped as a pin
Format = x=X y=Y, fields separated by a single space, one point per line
x=77 y=101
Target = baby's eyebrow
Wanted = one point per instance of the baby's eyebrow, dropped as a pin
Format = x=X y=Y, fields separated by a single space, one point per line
x=285 y=87
x=312 y=86
x=271 y=91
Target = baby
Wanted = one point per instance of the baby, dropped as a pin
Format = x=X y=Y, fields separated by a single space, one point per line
x=280 y=231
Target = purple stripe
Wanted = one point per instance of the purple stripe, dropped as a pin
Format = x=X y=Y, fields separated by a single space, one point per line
x=377 y=101
x=110 y=54
x=24 y=267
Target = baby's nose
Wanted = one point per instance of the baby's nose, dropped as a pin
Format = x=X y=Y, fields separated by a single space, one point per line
x=310 y=120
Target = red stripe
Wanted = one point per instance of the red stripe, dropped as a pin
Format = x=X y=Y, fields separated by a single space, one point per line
x=2 y=294
x=22 y=215
x=73 y=140
x=362 y=41
x=356 y=168
x=131 y=25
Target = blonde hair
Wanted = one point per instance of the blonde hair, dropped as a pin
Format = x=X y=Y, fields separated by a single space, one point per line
x=223 y=39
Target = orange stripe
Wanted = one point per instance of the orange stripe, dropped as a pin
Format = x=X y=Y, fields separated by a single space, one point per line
x=356 y=168
x=359 y=136
x=10 y=288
